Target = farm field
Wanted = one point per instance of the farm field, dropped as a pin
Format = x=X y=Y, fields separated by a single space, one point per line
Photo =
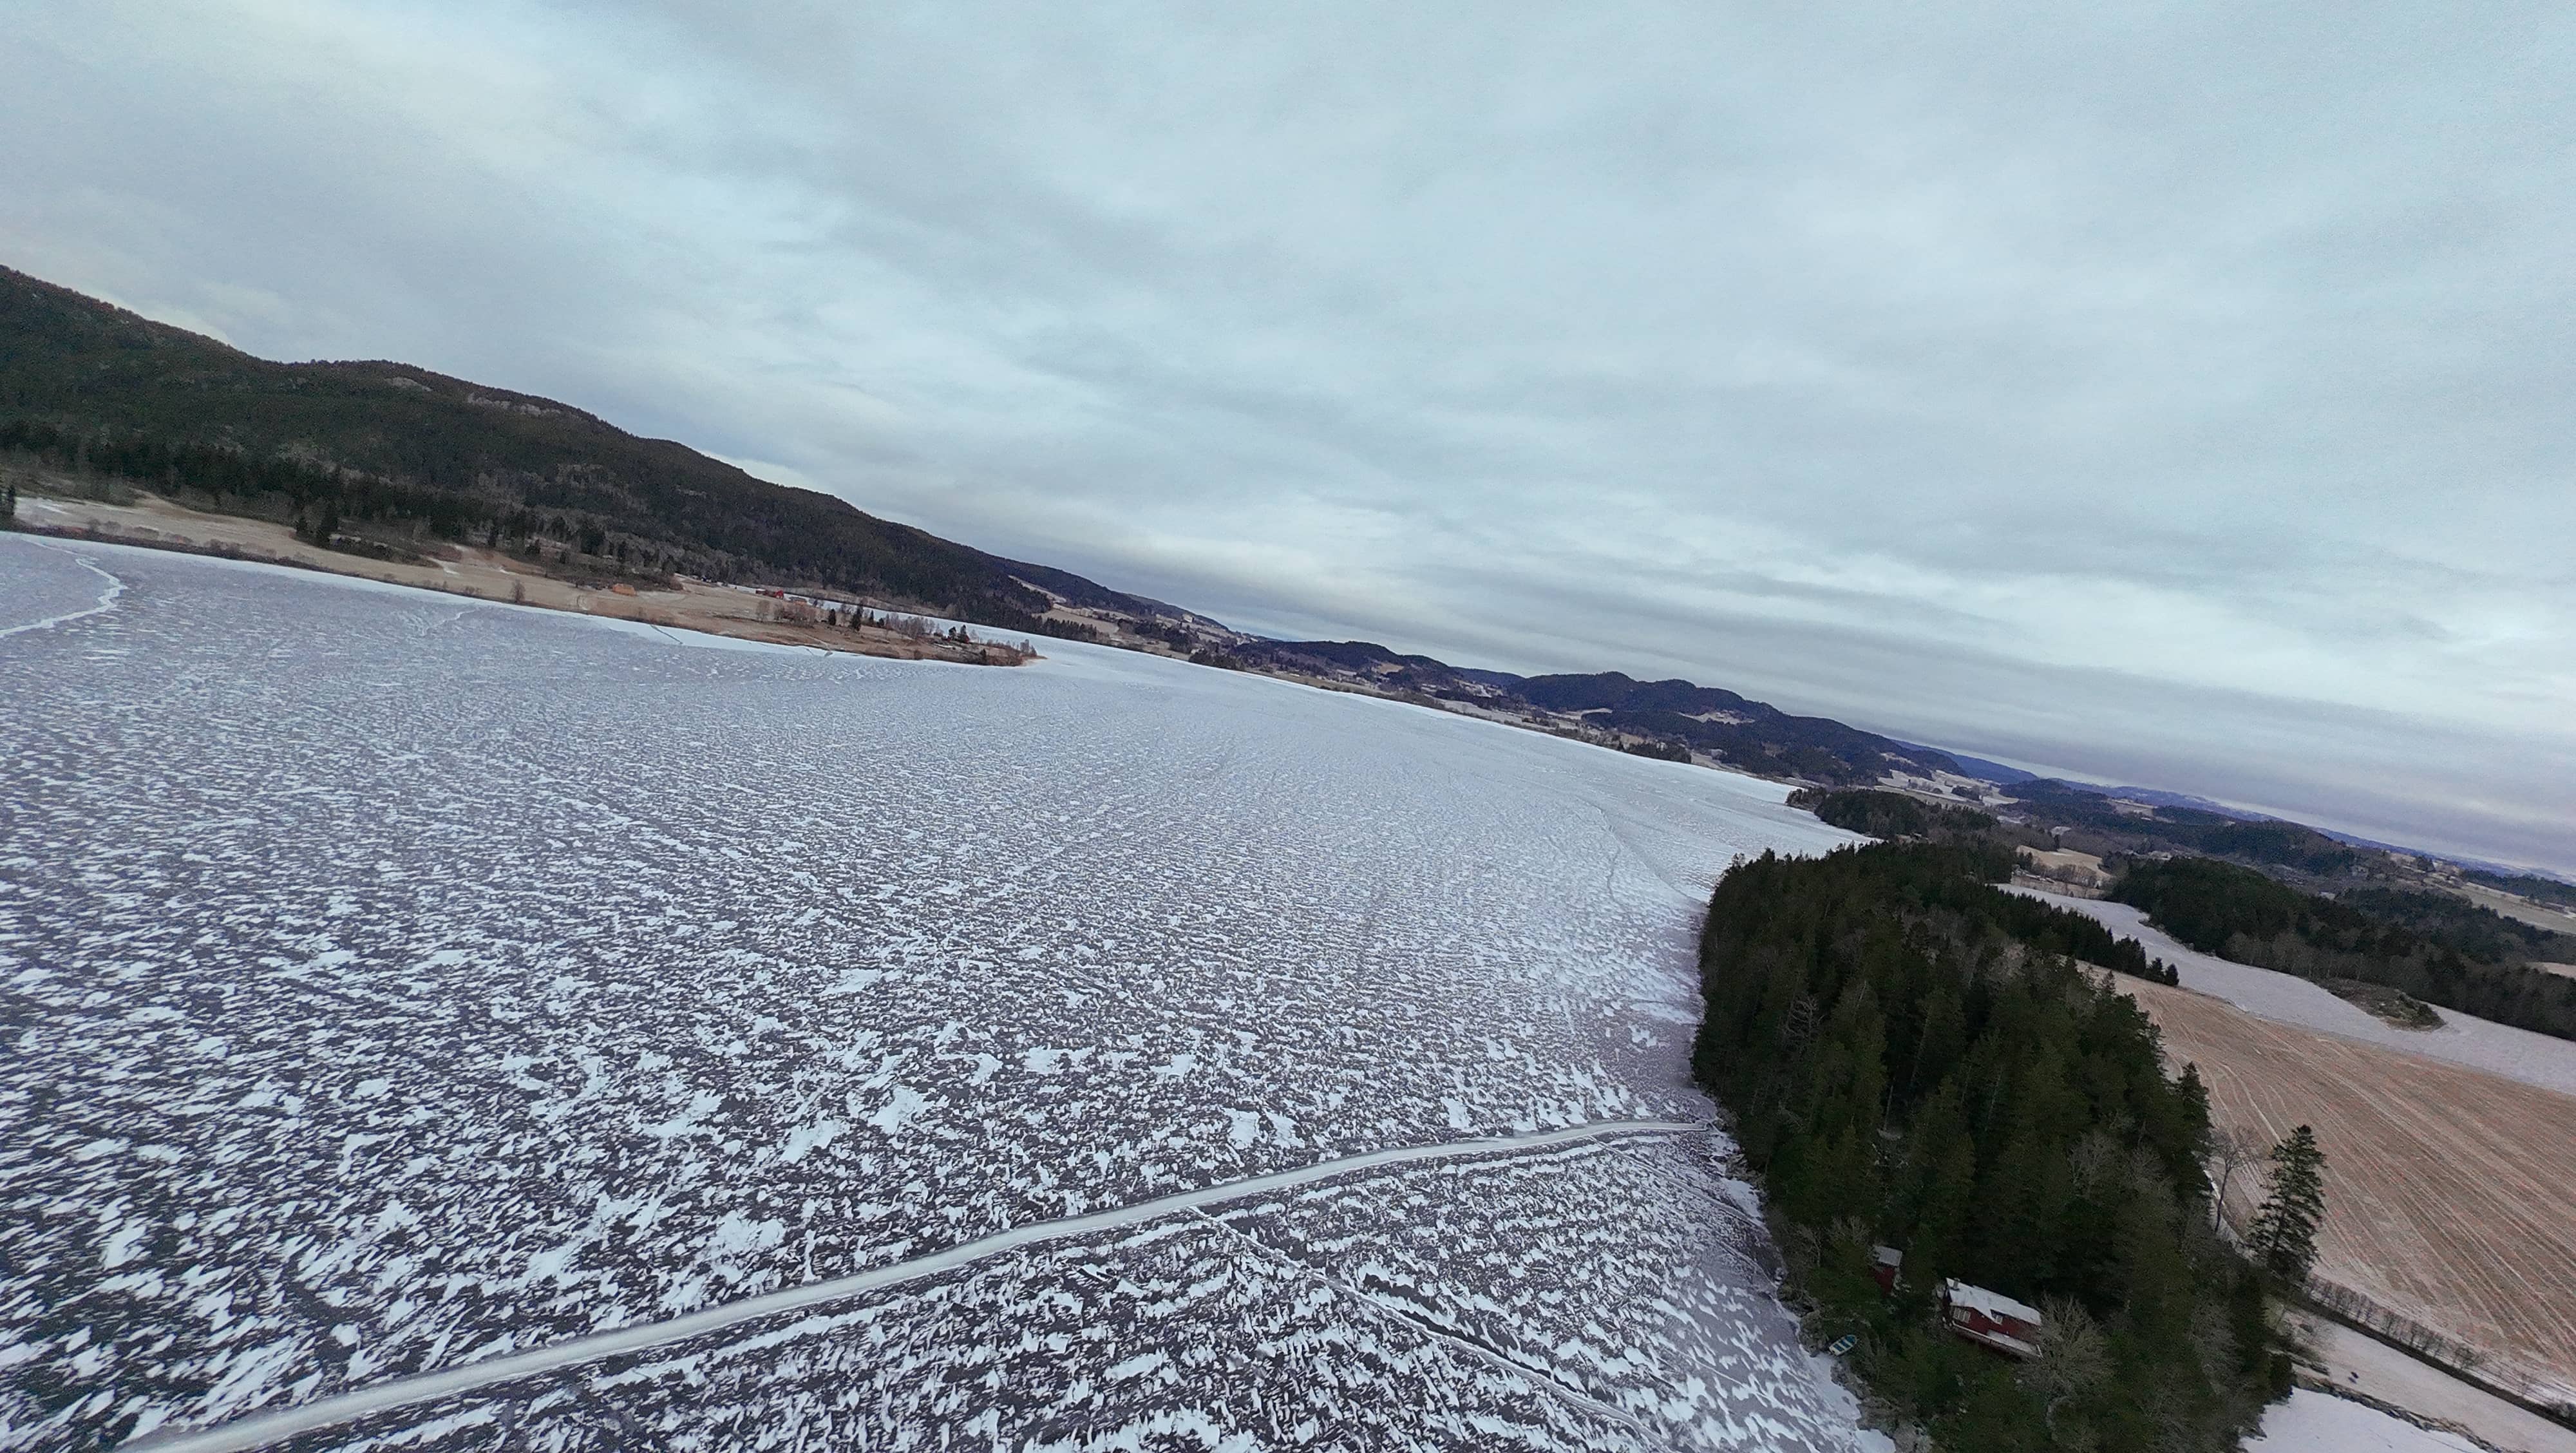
x=2447 y=1188
x=2539 y=915
x=395 y=982
x=2540 y=1060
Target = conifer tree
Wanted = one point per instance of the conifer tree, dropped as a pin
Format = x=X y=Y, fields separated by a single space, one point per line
x=2284 y=1235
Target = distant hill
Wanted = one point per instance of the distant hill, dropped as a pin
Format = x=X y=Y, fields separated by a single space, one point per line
x=1749 y=735
x=84 y=384
x=2138 y=821
x=398 y=452
x=1980 y=768
x=1369 y=664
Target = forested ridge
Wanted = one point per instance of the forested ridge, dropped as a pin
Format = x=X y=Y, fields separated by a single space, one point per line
x=2436 y=949
x=91 y=388
x=399 y=457
x=1754 y=735
x=2432 y=947
x=2176 y=828
x=1668 y=719
x=1895 y=815
x=1910 y=1058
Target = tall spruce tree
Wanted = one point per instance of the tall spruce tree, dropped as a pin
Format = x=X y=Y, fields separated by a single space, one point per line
x=2284 y=1235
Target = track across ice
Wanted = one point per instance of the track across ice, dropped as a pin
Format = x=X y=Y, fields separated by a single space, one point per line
x=396 y=985
x=262 y=1429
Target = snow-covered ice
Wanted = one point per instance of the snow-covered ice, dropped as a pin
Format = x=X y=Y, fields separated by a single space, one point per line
x=393 y=982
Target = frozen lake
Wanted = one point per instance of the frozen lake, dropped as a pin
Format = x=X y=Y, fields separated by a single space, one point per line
x=393 y=982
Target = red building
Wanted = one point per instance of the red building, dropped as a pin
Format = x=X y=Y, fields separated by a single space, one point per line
x=1990 y=1319
x=1884 y=1264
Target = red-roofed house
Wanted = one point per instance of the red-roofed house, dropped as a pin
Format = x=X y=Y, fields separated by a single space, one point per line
x=1990 y=1319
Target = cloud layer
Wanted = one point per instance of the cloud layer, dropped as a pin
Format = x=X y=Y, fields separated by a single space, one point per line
x=2174 y=396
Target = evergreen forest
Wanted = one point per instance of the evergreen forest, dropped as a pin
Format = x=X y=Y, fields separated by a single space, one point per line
x=1912 y=1058
x=1874 y=813
x=2433 y=948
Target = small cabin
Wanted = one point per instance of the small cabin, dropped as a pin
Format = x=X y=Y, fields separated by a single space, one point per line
x=1884 y=1264
x=1990 y=1319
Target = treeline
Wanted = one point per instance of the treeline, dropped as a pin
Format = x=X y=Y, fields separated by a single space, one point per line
x=1659 y=750
x=1880 y=814
x=1911 y=1060
x=2477 y=931
x=1066 y=630
x=2539 y=890
x=2380 y=937
x=2188 y=829
x=2044 y=927
x=227 y=480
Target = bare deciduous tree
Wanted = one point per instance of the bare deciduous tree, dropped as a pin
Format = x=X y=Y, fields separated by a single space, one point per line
x=2074 y=1358
x=2230 y=1150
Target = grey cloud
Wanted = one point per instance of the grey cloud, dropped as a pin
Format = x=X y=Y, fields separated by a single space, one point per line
x=2168 y=393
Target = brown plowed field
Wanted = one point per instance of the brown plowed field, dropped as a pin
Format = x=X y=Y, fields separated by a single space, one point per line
x=2450 y=1194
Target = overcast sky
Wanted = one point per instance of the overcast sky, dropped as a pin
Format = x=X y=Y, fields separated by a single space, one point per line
x=2178 y=396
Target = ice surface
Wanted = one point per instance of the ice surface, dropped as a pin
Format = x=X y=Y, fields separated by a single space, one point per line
x=57 y=592
x=392 y=982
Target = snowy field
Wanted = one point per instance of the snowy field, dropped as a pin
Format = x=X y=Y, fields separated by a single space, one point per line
x=2375 y=1369
x=392 y=983
x=2480 y=1044
x=2314 y=1422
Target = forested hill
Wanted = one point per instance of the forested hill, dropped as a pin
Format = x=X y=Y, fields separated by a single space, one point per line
x=2109 y=823
x=1914 y=1059
x=2428 y=945
x=83 y=383
x=1750 y=735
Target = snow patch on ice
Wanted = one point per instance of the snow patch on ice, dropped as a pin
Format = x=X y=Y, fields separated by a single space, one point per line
x=806 y=1139
x=737 y=1233
x=901 y=1108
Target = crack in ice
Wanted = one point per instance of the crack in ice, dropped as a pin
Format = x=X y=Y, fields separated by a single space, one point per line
x=106 y=600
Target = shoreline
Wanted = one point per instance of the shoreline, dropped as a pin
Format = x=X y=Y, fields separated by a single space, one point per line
x=695 y=606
